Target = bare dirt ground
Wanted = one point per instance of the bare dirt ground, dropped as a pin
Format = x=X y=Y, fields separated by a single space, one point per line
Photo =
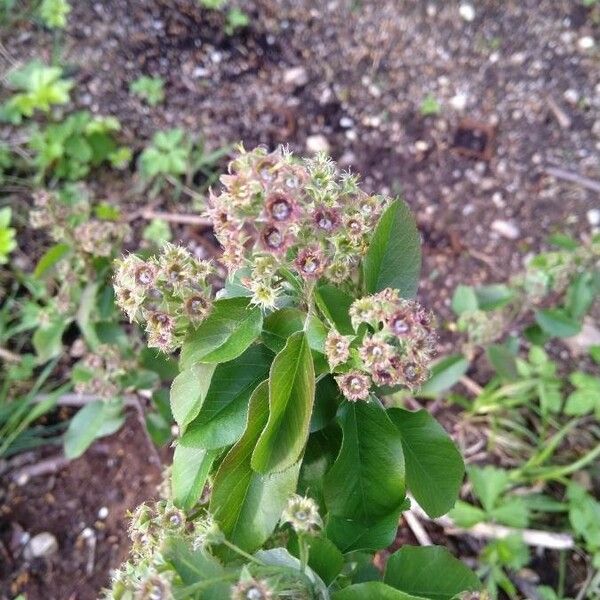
x=519 y=95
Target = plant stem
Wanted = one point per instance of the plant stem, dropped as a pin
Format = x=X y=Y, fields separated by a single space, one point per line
x=241 y=552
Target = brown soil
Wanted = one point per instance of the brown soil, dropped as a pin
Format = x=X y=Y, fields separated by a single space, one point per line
x=115 y=474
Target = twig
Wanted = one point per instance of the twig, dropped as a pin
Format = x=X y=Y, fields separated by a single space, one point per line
x=44 y=467
x=585 y=182
x=561 y=116
x=176 y=218
x=532 y=537
x=415 y=526
x=8 y=356
x=471 y=385
x=188 y=190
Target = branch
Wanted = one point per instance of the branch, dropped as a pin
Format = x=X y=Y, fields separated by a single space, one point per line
x=532 y=537
x=585 y=182
x=176 y=218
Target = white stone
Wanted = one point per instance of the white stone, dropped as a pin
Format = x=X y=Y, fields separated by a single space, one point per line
x=41 y=545
x=103 y=512
x=506 y=229
x=571 y=96
x=586 y=42
x=346 y=122
x=467 y=12
x=317 y=143
x=593 y=217
x=296 y=76
x=458 y=101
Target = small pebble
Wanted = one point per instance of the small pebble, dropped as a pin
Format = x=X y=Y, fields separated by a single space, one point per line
x=346 y=122
x=317 y=143
x=103 y=513
x=459 y=101
x=586 y=42
x=467 y=12
x=593 y=217
x=506 y=229
x=41 y=545
x=571 y=96
x=296 y=76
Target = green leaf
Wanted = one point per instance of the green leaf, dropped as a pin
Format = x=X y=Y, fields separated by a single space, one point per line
x=557 y=323
x=580 y=295
x=334 y=304
x=188 y=392
x=327 y=400
x=434 y=466
x=222 y=418
x=47 y=340
x=350 y=535
x=464 y=299
x=431 y=572
x=503 y=361
x=94 y=420
x=366 y=481
x=50 y=258
x=394 y=256
x=291 y=398
x=466 y=515
x=324 y=558
x=489 y=483
x=195 y=566
x=189 y=473
x=444 y=374
x=246 y=504
x=372 y=590
x=280 y=325
x=512 y=512
x=227 y=332
x=491 y=297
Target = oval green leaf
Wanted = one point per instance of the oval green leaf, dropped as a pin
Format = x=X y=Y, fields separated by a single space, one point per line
x=434 y=466
x=246 y=504
x=431 y=572
x=227 y=332
x=394 y=256
x=222 y=417
x=291 y=398
x=366 y=482
x=189 y=473
x=188 y=392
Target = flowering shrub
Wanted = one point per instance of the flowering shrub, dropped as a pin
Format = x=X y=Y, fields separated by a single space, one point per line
x=288 y=438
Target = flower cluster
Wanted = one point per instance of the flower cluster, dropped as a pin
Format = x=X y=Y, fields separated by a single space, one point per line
x=167 y=293
x=99 y=373
x=69 y=219
x=251 y=589
x=302 y=514
x=278 y=215
x=393 y=345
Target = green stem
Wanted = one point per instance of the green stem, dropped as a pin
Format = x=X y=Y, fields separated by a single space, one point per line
x=303 y=546
x=241 y=552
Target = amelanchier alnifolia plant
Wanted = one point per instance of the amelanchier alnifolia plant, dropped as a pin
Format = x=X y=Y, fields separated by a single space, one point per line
x=287 y=439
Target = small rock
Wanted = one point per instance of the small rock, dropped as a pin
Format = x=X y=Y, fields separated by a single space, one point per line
x=103 y=512
x=459 y=101
x=317 y=143
x=571 y=96
x=593 y=217
x=346 y=122
x=506 y=229
x=467 y=12
x=41 y=545
x=586 y=42
x=296 y=76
